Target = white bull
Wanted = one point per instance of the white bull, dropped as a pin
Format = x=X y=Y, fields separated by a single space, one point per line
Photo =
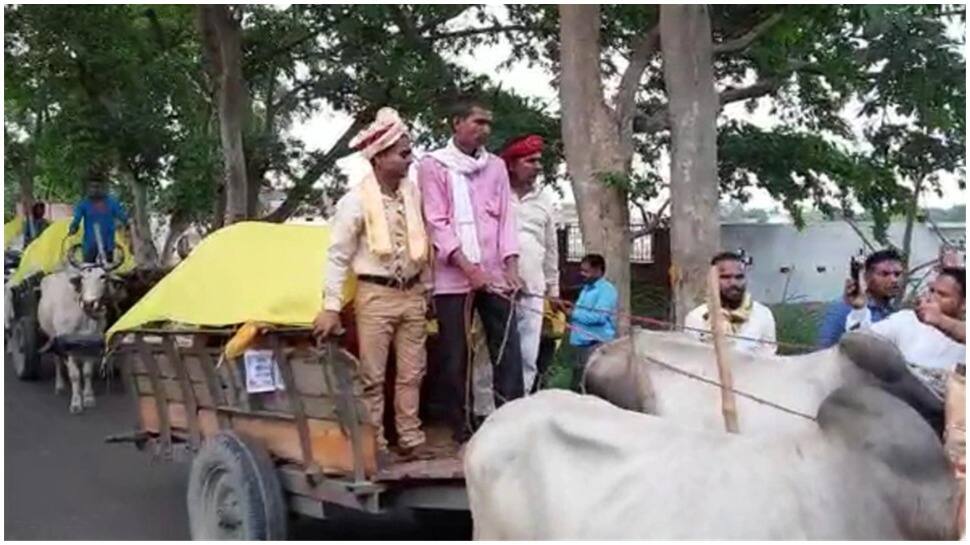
x=557 y=465
x=639 y=378
x=71 y=305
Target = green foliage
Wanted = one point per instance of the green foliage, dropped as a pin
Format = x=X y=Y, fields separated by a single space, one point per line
x=116 y=88
x=797 y=326
x=124 y=87
x=811 y=64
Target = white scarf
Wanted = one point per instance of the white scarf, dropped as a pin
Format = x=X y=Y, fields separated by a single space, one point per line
x=461 y=166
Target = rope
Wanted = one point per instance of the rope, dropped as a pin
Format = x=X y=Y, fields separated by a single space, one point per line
x=646 y=320
x=470 y=360
x=679 y=371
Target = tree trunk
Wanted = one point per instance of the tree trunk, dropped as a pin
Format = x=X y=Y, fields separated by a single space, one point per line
x=143 y=246
x=222 y=36
x=908 y=239
x=176 y=226
x=689 y=76
x=593 y=146
x=26 y=180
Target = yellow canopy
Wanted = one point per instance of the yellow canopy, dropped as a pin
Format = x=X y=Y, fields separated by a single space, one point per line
x=11 y=229
x=247 y=272
x=48 y=252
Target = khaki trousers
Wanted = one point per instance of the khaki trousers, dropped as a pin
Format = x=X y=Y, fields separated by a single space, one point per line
x=386 y=315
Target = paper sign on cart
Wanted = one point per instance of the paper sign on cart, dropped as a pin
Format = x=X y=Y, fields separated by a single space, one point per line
x=262 y=374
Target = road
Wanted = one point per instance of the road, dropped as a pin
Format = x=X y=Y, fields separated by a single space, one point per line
x=62 y=481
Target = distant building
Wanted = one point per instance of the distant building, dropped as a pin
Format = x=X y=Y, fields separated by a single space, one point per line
x=789 y=265
x=811 y=265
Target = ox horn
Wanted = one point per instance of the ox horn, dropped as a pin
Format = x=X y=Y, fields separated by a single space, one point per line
x=71 y=256
x=119 y=258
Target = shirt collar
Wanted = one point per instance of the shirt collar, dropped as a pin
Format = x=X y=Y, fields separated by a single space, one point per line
x=594 y=284
x=873 y=305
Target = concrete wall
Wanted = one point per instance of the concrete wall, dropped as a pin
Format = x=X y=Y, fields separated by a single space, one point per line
x=817 y=258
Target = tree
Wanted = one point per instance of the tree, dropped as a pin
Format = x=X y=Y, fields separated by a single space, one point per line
x=222 y=38
x=695 y=232
x=808 y=62
x=595 y=157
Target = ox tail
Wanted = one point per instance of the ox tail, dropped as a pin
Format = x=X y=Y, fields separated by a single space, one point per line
x=47 y=346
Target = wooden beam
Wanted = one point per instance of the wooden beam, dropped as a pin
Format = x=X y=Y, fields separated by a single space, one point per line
x=728 y=405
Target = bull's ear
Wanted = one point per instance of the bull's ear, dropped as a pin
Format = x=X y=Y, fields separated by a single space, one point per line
x=76 y=280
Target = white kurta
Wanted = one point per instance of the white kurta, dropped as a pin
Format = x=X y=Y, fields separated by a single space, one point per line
x=920 y=344
x=760 y=325
x=539 y=270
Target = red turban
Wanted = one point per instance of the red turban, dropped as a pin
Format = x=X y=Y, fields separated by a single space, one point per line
x=521 y=147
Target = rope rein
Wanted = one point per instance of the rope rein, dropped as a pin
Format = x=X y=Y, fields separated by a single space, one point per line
x=670 y=367
x=667 y=324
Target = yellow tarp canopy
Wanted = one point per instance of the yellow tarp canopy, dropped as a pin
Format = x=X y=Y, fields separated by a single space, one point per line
x=48 y=252
x=247 y=272
x=11 y=229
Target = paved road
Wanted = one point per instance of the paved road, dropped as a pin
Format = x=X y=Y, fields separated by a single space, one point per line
x=61 y=481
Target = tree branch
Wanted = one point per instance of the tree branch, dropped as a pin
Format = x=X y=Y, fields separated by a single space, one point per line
x=626 y=95
x=464 y=33
x=650 y=225
x=743 y=42
x=758 y=89
x=657 y=120
x=445 y=17
x=858 y=231
x=299 y=191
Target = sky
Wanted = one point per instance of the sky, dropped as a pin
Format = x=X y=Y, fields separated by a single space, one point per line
x=323 y=129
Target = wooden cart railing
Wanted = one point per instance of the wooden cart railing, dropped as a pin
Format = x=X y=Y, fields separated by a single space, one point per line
x=185 y=392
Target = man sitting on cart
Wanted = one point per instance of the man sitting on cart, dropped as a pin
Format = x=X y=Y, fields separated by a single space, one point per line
x=378 y=233
x=100 y=212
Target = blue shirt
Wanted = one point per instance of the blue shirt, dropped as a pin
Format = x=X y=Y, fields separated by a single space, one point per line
x=600 y=323
x=833 y=324
x=101 y=213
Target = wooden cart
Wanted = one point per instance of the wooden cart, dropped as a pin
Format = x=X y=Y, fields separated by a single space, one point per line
x=259 y=456
x=23 y=335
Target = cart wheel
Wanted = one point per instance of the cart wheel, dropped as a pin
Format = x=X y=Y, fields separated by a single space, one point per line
x=234 y=492
x=23 y=348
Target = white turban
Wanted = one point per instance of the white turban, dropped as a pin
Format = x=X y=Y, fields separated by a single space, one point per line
x=383 y=133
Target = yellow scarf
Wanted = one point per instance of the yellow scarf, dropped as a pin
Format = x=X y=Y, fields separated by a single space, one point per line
x=375 y=220
x=734 y=318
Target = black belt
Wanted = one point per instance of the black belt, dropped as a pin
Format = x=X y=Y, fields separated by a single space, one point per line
x=402 y=285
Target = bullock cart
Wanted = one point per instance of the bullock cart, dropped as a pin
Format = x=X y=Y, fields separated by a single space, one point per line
x=46 y=254
x=303 y=446
x=222 y=369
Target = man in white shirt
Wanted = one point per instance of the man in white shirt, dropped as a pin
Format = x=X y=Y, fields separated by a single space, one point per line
x=927 y=337
x=538 y=245
x=538 y=267
x=750 y=322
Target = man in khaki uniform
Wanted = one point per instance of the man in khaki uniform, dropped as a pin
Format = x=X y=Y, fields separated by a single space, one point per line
x=378 y=233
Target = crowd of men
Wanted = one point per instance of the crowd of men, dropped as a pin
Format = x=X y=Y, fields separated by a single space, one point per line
x=474 y=236
x=472 y=241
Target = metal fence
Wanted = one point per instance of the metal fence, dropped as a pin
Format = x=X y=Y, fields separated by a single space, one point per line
x=641 y=251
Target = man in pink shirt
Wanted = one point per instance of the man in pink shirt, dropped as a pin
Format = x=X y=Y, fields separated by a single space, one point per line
x=466 y=198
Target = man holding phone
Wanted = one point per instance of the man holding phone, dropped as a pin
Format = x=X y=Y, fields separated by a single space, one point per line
x=881 y=274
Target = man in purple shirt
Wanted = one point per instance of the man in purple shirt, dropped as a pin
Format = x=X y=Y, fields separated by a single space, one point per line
x=466 y=199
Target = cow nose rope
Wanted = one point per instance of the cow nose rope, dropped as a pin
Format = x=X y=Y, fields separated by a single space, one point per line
x=668 y=366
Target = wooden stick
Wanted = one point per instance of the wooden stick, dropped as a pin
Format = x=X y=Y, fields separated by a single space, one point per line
x=728 y=406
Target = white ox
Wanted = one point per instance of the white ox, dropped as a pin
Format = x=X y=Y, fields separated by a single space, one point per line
x=634 y=378
x=557 y=465
x=71 y=306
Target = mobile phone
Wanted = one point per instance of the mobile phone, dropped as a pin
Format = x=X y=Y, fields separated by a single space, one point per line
x=855 y=274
